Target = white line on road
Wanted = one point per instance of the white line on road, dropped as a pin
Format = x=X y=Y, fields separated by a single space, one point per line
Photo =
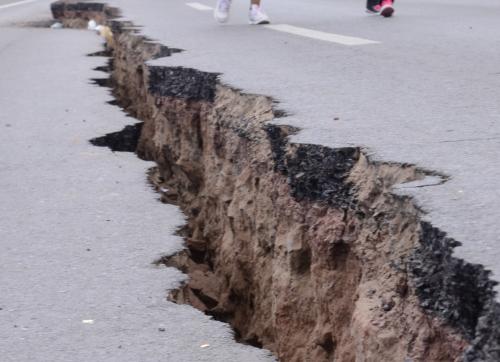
x=320 y=35
x=16 y=4
x=199 y=6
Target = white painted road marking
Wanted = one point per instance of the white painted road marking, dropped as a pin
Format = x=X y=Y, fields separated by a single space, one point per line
x=16 y=4
x=199 y=6
x=320 y=35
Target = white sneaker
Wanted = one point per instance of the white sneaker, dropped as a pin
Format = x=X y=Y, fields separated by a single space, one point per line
x=257 y=16
x=221 y=12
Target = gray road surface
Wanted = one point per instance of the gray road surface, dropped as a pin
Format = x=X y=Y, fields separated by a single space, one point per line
x=79 y=226
x=426 y=94
x=7 y=2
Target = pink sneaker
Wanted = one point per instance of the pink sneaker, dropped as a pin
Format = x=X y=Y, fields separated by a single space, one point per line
x=373 y=9
x=386 y=8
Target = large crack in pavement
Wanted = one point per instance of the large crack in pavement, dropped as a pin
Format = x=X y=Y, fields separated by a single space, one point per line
x=303 y=249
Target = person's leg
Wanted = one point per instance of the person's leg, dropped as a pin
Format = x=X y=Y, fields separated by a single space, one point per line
x=382 y=7
x=387 y=8
x=373 y=6
x=256 y=15
x=221 y=12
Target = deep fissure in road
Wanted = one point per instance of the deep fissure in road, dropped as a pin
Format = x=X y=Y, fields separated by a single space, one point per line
x=303 y=249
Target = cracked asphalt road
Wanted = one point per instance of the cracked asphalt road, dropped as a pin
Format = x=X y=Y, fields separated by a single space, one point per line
x=426 y=94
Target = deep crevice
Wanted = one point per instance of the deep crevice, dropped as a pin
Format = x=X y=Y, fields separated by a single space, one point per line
x=324 y=218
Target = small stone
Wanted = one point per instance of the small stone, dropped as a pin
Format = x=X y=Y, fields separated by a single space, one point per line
x=387 y=307
x=388 y=304
x=161 y=329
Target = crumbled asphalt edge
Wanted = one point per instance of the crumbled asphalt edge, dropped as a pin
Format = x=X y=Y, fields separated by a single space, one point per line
x=277 y=136
x=314 y=172
x=320 y=173
x=60 y=8
x=459 y=292
x=125 y=140
x=182 y=83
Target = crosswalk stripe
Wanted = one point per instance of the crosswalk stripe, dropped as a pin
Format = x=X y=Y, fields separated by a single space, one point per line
x=320 y=35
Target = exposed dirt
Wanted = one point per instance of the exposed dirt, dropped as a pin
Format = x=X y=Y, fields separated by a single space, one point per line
x=303 y=249
x=292 y=259
x=76 y=14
